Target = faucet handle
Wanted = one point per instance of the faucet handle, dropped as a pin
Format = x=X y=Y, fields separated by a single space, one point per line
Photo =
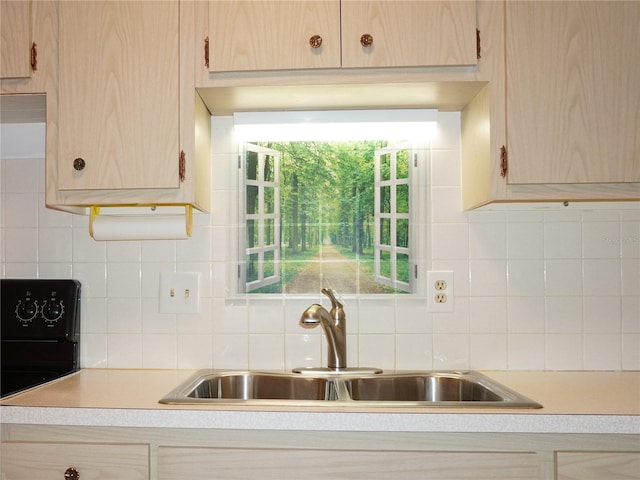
x=337 y=307
x=333 y=296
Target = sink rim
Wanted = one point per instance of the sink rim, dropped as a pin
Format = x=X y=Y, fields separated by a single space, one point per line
x=509 y=398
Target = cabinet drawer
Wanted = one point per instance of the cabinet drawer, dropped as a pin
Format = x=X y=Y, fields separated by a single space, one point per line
x=598 y=465
x=275 y=464
x=34 y=460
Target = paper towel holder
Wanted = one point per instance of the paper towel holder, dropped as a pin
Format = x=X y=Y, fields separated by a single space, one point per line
x=141 y=222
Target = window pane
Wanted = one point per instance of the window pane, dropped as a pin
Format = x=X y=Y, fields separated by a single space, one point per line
x=252 y=199
x=252 y=267
x=252 y=234
x=385 y=264
x=402 y=198
x=385 y=167
x=252 y=166
x=402 y=267
x=269 y=264
x=402 y=164
x=269 y=169
x=269 y=231
x=269 y=205
x=385 y=199
x=402 y=233
x=385 y=231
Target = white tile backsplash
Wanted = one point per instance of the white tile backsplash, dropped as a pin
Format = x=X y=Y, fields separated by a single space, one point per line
x=537 y=287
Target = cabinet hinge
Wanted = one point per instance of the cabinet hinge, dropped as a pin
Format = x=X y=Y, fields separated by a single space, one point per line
x=415 y=271
x=206 y=52
x=415 y=159
x=504 y=161
x=478 y=49
x=182 y=166
x=239 y=162
x=34 y=56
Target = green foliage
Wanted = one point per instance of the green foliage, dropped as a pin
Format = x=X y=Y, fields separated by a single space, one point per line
x=327 y=192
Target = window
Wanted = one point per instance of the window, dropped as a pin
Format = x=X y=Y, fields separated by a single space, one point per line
x=349 y=215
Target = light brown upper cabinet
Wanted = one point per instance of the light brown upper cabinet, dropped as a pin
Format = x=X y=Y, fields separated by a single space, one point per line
x=306 y=34
x=15 y=39
x=408 y=33
x=573 y=92
x=131 y=128
x=565 y=124
x=118 y=95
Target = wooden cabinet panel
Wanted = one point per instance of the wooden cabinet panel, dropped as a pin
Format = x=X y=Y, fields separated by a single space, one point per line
x=177 y=463
x=598 y=465
x=119 y=95
x=273 y=35
x=15 y=39
x=22 y=460
x=409 y=33
x=573 y=92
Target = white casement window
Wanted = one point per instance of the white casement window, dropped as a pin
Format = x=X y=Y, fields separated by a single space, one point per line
x=393 y=257
x=260 y=203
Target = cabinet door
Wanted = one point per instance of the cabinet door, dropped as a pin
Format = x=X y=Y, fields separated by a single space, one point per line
x=409 y=33
x=119 y=94
x=22 y=460
x=573 y=92
x=273 y=35
x=15 y=39
x=598 y=465
x=176 y=463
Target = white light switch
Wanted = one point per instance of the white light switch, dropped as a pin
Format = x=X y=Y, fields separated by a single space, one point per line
x=180 y=292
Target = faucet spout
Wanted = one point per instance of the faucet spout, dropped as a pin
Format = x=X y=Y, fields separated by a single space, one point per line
x=333 y=324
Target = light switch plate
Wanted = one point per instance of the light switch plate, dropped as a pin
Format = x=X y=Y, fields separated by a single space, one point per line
x=180 y=292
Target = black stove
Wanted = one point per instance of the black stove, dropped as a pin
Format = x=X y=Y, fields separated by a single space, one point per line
x=39 y=332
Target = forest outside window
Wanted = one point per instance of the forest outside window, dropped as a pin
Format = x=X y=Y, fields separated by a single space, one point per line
x=348 y=215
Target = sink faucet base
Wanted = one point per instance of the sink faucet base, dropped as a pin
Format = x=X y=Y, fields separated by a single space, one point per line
x=337 y=371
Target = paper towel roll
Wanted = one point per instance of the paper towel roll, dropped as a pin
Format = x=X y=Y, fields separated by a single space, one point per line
x=140 y=227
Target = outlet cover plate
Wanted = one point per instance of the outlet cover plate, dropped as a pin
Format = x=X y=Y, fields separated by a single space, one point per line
x=180 y=292
x=440 y=291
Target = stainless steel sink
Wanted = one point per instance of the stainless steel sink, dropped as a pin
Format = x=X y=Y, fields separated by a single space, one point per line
x=207 y=386
x=425 y=389
x=447 y=388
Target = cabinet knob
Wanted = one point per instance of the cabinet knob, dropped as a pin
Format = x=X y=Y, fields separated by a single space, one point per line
x=71 y=474
x=315 y=41
x=79 y=164
x=366 y=40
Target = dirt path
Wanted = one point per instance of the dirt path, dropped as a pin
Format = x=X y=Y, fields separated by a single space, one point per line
x=332 y=269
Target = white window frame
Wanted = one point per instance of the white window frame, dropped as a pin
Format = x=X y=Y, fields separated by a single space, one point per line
x=260 y=219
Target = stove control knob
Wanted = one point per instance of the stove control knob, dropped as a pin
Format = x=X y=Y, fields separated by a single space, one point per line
x=26 y=310
x=52 y=311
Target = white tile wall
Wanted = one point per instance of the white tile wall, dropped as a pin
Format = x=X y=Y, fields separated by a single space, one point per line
x=537 y=286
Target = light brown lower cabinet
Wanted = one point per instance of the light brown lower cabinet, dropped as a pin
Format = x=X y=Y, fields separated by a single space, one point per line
x=598 y=465
x=176 y=463
x=45 y=452
x=89 y=461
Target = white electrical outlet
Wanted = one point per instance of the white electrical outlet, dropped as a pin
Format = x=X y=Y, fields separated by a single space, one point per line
x=180 y=292
x=440 y=291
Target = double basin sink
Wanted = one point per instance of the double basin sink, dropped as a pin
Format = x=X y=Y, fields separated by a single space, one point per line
x=424 y=389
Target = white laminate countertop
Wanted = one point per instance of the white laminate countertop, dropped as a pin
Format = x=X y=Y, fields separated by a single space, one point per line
x=573 y=402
